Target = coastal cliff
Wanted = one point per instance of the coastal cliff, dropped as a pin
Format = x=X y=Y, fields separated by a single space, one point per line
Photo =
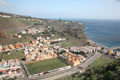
x=72 y=31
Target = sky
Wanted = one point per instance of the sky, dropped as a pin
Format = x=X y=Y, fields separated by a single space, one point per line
x=79 y=9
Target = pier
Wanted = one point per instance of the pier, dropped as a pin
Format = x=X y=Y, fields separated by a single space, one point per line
x=115 y=48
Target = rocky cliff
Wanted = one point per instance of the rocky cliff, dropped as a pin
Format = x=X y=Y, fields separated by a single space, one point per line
x=73 y=31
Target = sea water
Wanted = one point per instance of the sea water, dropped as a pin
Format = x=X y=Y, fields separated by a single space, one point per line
x=103 y=32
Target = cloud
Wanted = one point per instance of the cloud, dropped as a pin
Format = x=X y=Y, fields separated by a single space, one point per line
x=115 y=0
x=2 y=3
x=108 y=1
x=5 y=7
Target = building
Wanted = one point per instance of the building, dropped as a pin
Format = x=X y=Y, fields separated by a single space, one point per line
x=47 y=42
x=34 y=41
x=26 y=44
x=81 y=70
x=111 y=52
x=19 y=36
x=28 y=57
x=73 y=59
x=10 y=68
x=35 y=55
x=0 y=15
x=18 y=45
x=6 y=48
x=11 y=47
x=1 y=47
x=86 y=49
x=24 y=32
x=6 y=16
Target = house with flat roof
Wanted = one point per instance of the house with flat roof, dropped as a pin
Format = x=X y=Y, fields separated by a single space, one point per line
x=73 y=59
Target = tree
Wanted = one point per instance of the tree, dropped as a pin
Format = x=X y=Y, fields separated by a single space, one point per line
x=87 y=78
x=93 y=77
x=82 y=77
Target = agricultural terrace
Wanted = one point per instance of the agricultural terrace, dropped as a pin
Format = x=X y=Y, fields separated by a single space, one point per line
x=13 y=55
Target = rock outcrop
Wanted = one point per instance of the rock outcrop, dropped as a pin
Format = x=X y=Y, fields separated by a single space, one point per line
x=2 y=35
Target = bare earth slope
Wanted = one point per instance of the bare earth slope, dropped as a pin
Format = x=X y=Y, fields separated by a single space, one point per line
x=10 y=26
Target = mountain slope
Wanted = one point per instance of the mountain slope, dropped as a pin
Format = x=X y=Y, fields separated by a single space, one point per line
x=12 y=24
x=71 y=30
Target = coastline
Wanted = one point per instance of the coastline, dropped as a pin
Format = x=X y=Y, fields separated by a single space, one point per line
x=93 y=42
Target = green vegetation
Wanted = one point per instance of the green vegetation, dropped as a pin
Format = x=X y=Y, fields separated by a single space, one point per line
x=80 y=53
x=70 y=78
x=103 y=68
x=55 y=42
x=24 y=40
x=76 y=36
x=102 y=60
x=66 y=44
x=9 y=27
x=12 y=32
x=44 y=65
x=26 y=22
x=109 y=71
x=38 y=23
x=13 y=55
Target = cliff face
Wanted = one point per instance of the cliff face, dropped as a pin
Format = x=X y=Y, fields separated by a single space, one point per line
x=77 y=33
x=77 y=37
x=72 y=31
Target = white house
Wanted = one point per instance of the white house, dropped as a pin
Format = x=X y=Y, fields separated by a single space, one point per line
x=6 y=16
x=0 y=47
x=0 y=15
x=24 y=32
x=19 y=36
x=117 y=53
x=26 y=52
x=48 y=37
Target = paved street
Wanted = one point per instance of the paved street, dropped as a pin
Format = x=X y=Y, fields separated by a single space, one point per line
x=56 y=75
x=59 y=74
x=24 y=71
x=90 y=60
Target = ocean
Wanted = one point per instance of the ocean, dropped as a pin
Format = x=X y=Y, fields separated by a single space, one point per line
x=103 y=32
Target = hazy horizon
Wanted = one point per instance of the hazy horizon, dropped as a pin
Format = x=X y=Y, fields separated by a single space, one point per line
x=78 y=9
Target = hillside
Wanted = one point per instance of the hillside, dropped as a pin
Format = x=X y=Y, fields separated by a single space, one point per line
x=68 y=29
x=73 y=31
x=103 y=71
x=11 y=24
x=9 y=27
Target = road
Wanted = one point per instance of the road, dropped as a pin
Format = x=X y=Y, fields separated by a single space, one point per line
x=90 y=60
x=24 y=71
x=56 y=75
x=59 y=74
